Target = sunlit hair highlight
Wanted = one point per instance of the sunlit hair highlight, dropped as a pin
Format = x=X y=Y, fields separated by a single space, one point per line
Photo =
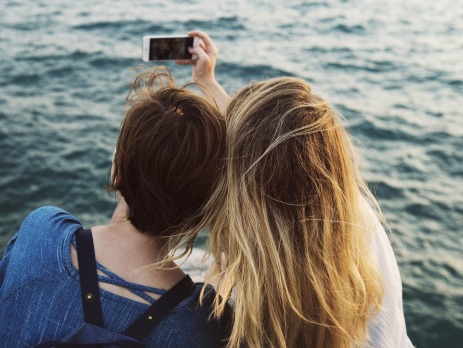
x=286 y=227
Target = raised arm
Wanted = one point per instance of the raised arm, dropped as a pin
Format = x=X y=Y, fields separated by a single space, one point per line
x=203 y=70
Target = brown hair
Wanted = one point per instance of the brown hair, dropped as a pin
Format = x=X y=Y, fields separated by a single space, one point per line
x=287 y=228
x=168 y=153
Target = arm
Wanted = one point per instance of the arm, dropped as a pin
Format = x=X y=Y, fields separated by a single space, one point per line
x=203 y=70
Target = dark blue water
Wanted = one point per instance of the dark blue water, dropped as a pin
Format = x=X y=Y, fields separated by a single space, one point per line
x=394 y=70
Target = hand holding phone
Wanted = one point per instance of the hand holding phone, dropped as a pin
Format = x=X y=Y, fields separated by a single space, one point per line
x=170 y=47
x=203 y=72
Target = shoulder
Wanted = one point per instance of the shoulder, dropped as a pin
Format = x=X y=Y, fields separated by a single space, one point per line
x=387 y=328
x=48 y=216
x=47 y=228
x=47 y=224
x=193 y=322
x=43 y=234
x=38 y=248
x=381 y=249
x=197 y=308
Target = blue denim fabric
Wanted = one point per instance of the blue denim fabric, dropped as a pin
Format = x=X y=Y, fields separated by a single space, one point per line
x=40 y=293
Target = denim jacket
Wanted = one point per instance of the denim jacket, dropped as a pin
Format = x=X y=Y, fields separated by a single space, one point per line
x=40 y=293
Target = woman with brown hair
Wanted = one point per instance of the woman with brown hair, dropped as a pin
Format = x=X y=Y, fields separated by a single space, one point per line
x=166 y=165
x=293 y=227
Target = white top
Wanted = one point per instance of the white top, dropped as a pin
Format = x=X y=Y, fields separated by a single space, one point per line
x=387 y=329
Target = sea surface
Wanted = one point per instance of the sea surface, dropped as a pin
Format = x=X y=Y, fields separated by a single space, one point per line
x=393 y=69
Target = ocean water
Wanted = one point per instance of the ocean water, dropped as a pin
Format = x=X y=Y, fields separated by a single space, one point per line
x=394 y=69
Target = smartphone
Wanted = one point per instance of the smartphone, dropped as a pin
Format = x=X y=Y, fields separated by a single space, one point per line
x=170 y=47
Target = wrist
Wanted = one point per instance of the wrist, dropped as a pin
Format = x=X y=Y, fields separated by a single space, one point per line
x=206 y=81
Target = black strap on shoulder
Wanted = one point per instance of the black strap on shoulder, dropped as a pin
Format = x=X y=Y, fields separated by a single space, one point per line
x=91 y=295
x=158 y=310
x=88 y=278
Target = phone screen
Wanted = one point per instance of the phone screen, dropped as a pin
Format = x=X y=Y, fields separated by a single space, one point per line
x=170 y=48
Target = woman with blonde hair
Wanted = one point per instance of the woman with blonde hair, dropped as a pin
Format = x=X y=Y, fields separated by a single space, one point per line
x=292 y=229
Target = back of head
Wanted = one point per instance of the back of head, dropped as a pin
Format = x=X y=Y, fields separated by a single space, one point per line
x=290 y=229
x=168 y=154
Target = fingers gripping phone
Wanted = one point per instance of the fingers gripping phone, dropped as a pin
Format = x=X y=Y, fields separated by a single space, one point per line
x=170 y=47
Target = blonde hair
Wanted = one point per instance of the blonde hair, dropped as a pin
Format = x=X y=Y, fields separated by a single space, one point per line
x=286 y=227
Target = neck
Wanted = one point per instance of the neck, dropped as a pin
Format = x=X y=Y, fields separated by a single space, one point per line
x=119 y=217
x=126 y=251
x=121 y=225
